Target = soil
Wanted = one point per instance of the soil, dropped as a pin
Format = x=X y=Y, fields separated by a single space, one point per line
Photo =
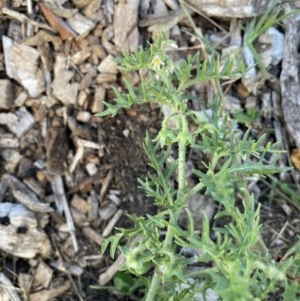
x=123 y=137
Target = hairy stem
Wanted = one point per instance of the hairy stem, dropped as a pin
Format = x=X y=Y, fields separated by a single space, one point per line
x=181 y=169
x=153 y=287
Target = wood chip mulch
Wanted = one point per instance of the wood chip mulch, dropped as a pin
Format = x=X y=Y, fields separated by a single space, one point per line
x=67 y=178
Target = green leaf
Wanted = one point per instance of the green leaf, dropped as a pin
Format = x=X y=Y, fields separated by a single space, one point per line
x=291 y=291
x=114 y=241
x=123 y=281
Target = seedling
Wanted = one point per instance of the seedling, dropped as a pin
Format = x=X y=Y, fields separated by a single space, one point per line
x=238 y=264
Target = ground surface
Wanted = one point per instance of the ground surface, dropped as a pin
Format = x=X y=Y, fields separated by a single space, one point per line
x=48 y=145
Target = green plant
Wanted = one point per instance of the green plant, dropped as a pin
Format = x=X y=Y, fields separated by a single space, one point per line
x=260 y=25
x=122 y=283
x=242 y=268
x=250 y=116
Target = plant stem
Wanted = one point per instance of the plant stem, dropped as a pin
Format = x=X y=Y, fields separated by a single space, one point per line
x=174 y=215
x=181 y=171
x=153 y=287
x=181 y=168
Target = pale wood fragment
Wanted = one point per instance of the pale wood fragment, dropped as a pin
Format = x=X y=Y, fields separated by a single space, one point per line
x=42 y=219
x=43 y=274
x=162 y=17
x=94 y=204
x=87 y=144
x=107 y=211
x=111 y=49
x=108 y=65
x=21 y=62
x=12 y=158
x=10 y=291
x=40 y=164
x=42 y=36
x=249 y=79
x=92 y=10
x=106 y=78
x=198 y=205
x=24 y=19
x=24 y=195
x=79 y=57
x=93 y=259
x=100 y=141
x=125 y=25
x=231 y=103
x=111 y=224
x=47 y=294
x=232 y=8
x=105 y=277
x=80 y=204
x=49 y=101
x=77 y=158
x=21 y=237
x=87 y=80
x=46 y=56
x=144 y=8
x=84 y=116
x=20 y=99
x=132 y=77
x=63 y=90
x=79 y=217
x=62 y=204
x=25 y=279
x=18 y=54
x=82 y=98
x=57 y=23
x=278 y=132
x=7 y=94
x=105 y=185
x=109 y=9
x=99 y=99
x=72 y=269
x=173 y=4
x=270 y=47
x=81 y=3
x=8 y=141
x=81 y=24
x=35 y=186
x=112 y=196
x=88 y=181
x=34 y=83
x=91 y=168
x=93 y=235
x=56 y=8
x=289 y=78
x=7 y=44
x=99 y=51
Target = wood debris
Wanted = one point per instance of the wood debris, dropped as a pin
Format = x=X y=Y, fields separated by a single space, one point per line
x=289 y=79
x=125 y=25
x=6 y=90
x=68 y=178
x=8 y=291
x=47 y=294
x=232 y=8
x=19 y=235
x=21 y=62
